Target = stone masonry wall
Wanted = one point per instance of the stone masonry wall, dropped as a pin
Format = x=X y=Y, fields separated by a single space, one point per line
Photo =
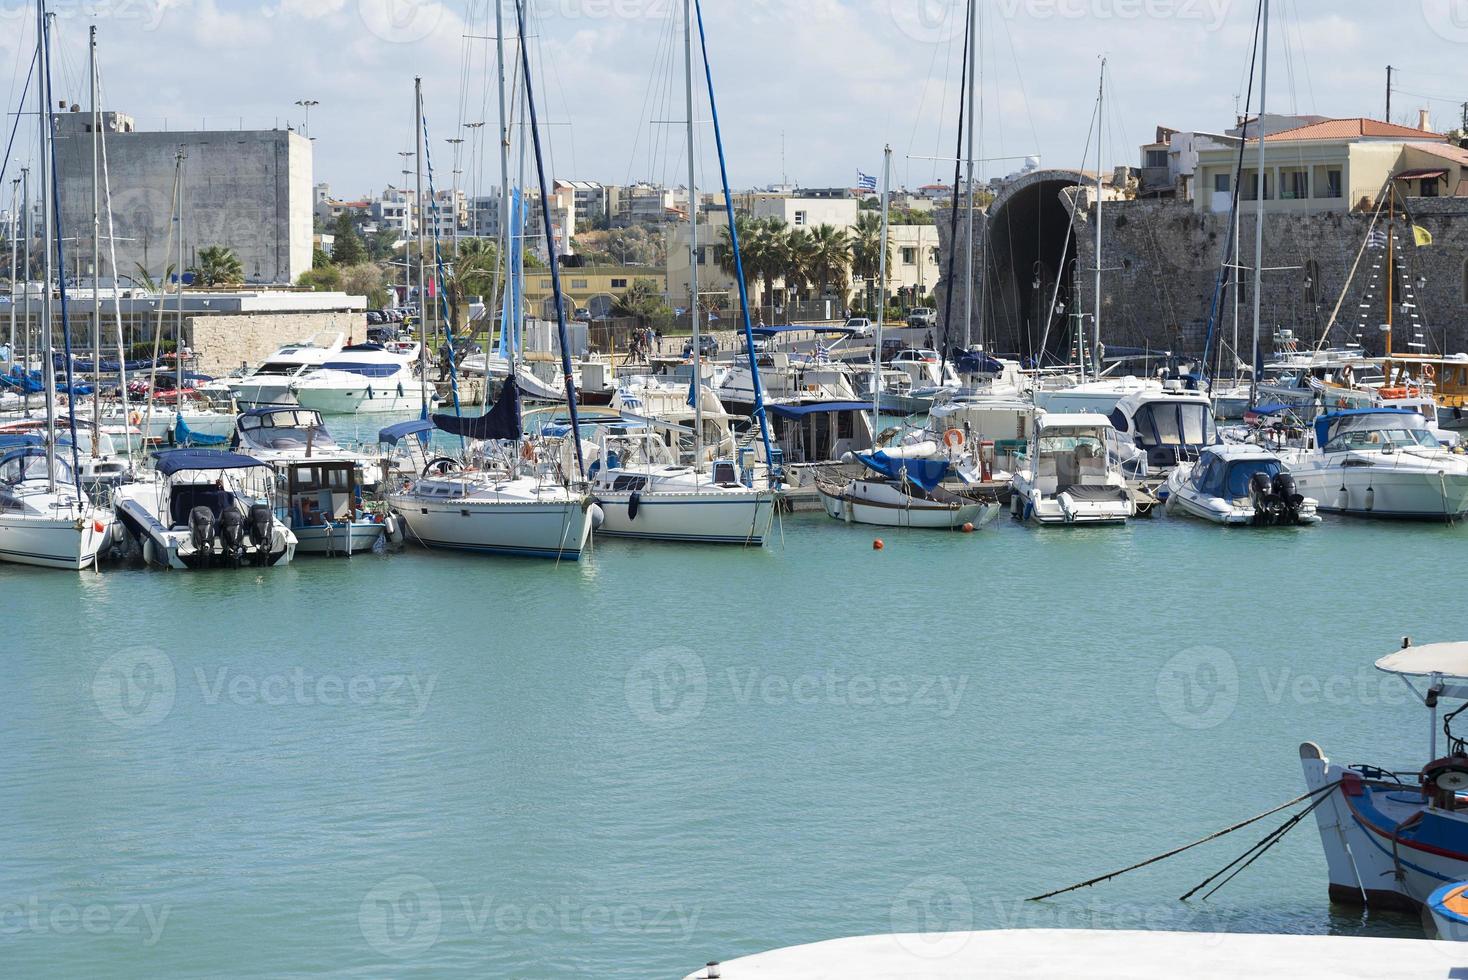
x=225 y=341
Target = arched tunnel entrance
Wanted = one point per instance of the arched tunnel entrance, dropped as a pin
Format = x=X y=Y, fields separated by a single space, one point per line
x=1030 y=248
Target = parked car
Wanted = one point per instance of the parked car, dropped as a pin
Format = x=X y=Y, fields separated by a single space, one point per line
x=891 y=348
x=860 y=326
x=707 y=346
x=922 y=317
x=582 y=314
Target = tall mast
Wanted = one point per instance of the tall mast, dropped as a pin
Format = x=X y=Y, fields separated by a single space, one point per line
x=96 y=249
x=1391 y=272
x=882 y=286
x=507 y=239
x=1262 y=187
x=418 y=206
x=14 y=254
x=1100 y=166
x=30 y=232
x=694 y=314
x=48 y=363
x=968 y=261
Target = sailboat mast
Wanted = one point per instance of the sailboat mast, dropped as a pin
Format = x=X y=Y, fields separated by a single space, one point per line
x=48 y=363
x=96 y=250
x=694 y=314
x=1100 y=140
x=506 y=237
x=1261 y=192
x=1391 y=255
x=968 y=261
x=14 y=255
x=882 y=287
x=30 y=232
x=418 y=206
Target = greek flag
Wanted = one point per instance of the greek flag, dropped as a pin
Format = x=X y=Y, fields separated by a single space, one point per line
x=865 y=182
x=1377 y=239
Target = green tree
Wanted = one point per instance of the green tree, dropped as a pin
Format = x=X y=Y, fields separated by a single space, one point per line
x=644 y=302
x=218 y=266
x=319 y=258
x=145 y=279
x=866 y=252
x=327 y=279
x=830 y=260
x=347 y=249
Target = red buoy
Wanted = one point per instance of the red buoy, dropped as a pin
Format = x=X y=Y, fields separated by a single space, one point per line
x=877 y=545
x=968 y=528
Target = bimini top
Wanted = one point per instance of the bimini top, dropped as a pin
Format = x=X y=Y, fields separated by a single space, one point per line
x=1325 y=423
x=1078 y=420
x=1446 y=659
x=811 y=408
x=175 y=460
x=401 y=430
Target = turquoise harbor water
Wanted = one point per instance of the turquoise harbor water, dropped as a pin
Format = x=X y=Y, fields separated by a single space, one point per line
x=427 y=764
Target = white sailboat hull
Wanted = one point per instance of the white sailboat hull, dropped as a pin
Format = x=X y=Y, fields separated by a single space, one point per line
x=712 y=516
x=550 y=528
x=341 y=538
x=882 y=504
x=70 y=543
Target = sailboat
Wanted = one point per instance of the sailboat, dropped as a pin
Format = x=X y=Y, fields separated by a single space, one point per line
x=46 y=518
x=504 y=495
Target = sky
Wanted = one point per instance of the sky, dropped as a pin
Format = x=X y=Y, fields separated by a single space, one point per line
x=809 y=91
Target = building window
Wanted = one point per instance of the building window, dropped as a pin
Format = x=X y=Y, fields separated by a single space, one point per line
x=1220 y=183
x=909 y=256
x=703 y=259
x=933 y=255
x=578 y=284
x=1156 y=158
x=1333 y=183
x=801 y=219
x=622 y=284
x=1294 y=185
x=1251 y=186
x=545 y=284
x=1429 y=187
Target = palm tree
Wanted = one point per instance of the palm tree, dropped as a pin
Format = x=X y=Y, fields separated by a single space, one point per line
x=745 y=226
x=801 y=255
x=830 y=260
x=218 y=266
x=866 y=251
x=146 y=280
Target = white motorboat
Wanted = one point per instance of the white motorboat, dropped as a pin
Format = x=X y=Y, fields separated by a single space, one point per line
x=645 y=492
x=1380 y=462
x=929 y=377
x=1072 y=473
x=1392 y=838
x=386 y=383
x=1238 y=483
x=205 y=508
x=1098 y=396
x=1169 y=423
x=319 y=484
x=270 y=382
x=45 y=518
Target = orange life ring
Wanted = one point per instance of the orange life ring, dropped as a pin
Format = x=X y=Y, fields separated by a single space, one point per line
x=135 y=418
x=527 y=452
x=1429 y=372
x=953 y=438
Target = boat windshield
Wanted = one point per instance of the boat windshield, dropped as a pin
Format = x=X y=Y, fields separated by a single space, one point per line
x=1079 y=442
x=1220 y=478
x=1379 y=430
x=1173 y=424
x=277 y=367
x=25 y=467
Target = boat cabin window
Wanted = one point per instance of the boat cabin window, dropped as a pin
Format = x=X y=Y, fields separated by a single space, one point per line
x=724 y=473
x=1382 y=438
x=277 y=367
x=1173 y=424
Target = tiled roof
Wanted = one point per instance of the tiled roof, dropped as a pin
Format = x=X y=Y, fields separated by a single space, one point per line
x=1445 y=151
x=1346 y=129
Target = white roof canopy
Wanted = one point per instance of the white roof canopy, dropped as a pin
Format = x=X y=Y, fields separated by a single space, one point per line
x=1447 y=659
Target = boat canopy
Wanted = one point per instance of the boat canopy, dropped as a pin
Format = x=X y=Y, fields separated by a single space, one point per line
x=1445 y=659
x=401 y=430
x=1220 y=476
x=925 y=473
x=175 y=460
x=812 y=408
x=1331 y=424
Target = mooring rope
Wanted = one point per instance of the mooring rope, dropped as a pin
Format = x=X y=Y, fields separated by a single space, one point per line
x=1202 y=840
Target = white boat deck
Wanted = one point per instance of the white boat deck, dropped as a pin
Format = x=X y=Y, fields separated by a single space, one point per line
x=1101 y=953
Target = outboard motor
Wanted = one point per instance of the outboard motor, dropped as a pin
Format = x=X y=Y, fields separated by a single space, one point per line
x=1290 y=498
x=260 y=521
x=1261 y=495
x=232 y=533
x=201 y=530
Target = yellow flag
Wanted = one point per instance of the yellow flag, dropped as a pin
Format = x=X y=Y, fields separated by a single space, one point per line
x=1421 y=236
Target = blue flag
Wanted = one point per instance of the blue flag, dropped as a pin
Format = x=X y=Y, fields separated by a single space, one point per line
x=865 y=182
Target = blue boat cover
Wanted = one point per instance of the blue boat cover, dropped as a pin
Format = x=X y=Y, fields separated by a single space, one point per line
x=925 y=473
x=500 y=422
x=977 y=362
x=184 y=436
x=173 y=460
x=401 y=430
x=811 y=408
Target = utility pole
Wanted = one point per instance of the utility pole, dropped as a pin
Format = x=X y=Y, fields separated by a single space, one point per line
x=1389 y=70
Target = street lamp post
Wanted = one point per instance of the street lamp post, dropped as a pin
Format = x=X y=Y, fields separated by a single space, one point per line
x=306 y=123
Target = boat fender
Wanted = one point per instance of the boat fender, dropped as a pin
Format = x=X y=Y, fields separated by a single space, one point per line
x=634 y=502
x=597 y=515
